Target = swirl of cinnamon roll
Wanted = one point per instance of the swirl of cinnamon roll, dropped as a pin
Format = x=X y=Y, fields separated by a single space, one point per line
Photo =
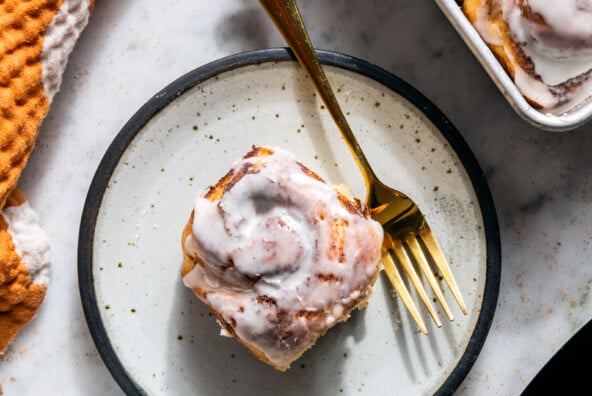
x=561 y=30
x=278 y=255
x=546 y=46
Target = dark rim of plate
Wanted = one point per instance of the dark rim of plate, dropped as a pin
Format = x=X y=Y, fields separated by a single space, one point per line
x=195 y=77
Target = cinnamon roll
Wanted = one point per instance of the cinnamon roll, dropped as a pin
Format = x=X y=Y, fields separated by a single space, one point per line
x=279 y=256
x=545 y=46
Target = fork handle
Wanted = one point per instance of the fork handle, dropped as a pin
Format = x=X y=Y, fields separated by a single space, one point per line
x=286 y=16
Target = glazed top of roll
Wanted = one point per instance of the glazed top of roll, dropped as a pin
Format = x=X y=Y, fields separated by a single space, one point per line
x=279 y=246
x=555 y=38
x=560 y=29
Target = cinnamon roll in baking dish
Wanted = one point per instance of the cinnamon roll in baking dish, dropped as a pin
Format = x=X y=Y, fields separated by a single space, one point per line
x=545 y=45
x=278 y=255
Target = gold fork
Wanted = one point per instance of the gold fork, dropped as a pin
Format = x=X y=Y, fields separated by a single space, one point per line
x=406 y=229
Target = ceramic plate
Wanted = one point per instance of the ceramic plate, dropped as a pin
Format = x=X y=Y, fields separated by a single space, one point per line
x=156 y=338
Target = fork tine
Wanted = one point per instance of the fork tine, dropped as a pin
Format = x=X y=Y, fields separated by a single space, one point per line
x=432 y=245
x=403 y=258
x=397 y=281
x=419 y=256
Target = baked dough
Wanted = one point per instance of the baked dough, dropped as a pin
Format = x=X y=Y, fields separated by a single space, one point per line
x=278 y=256
x=545 y=46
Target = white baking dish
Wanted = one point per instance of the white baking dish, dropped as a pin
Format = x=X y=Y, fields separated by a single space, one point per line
x=572 y=119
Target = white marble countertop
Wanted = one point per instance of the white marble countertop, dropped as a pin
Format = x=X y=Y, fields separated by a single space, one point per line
x=541 y=182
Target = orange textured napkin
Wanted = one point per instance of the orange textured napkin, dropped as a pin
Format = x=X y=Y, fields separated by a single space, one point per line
x=24 y=266
x=36 y=38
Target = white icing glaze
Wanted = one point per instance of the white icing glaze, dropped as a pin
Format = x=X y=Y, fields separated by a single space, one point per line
x=571 y=20
x=281 y=229
x=59 y=40
x=560 y=50
x=30 y=241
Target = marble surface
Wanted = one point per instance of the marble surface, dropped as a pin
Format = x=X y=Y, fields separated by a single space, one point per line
x=541 y=181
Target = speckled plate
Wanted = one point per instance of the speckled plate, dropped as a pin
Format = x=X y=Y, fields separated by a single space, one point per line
x=156 y=338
